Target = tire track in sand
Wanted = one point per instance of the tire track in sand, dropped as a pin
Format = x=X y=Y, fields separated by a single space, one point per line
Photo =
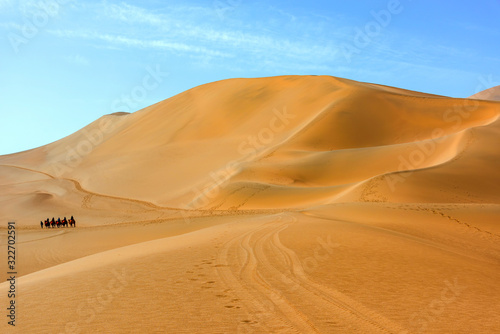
x=250 y=273
x=339 y=303
x=263 y=284
x=257 y=306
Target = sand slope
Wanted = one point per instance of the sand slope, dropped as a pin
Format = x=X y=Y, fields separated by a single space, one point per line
x=237 y=143
x=294 y=204
x=309 y=272
x=492 y=94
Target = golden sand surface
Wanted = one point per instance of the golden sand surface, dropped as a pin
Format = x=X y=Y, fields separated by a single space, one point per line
x=293 y=204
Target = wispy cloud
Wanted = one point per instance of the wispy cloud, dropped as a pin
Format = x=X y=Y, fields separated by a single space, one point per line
x=195 y=30
x=476 y=28
x=77 y=60
x=132 y=14
x=5 y=4
x=302 y=43
x=124 y=41
x=11 y=25
x=286 y=14
x=213 y=35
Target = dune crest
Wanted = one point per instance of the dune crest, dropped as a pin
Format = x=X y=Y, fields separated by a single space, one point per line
x=240 y=142
x=290 y=204
x=492 y=94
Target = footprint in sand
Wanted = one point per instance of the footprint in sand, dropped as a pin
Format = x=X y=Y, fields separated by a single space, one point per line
x=86 y=202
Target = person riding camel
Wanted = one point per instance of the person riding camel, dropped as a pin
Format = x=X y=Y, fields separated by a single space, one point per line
x=64 y=222
x=53 y=222
x=72 y=221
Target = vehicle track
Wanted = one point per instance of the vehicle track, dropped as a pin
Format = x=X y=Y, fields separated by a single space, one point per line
x=255 y=305
x=341 y=303
x=261 y=270
x=250 y=273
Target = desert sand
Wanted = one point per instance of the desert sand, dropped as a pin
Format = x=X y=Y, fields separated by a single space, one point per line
x=293 y=204
x=492 y=93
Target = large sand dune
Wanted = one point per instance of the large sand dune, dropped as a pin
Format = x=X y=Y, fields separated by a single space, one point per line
x=286 y=204
x=492 y=94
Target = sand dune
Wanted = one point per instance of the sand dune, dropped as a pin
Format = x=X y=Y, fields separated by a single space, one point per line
x=294 y=204
x=492 y=94
x=236 y=143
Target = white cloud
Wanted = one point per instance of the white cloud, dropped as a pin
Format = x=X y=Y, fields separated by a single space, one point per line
x=77 y=60
x=118 y=40
x=11 y=25
x=5 y=3
x=199 y=30
x=131 y=14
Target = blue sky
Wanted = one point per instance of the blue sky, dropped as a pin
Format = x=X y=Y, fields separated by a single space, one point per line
x=65 y=63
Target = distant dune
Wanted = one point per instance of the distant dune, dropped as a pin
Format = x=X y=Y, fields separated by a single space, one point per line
x=285 y=204
x=492 y=94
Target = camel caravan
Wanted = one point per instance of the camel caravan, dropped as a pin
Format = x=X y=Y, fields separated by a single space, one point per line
x=58 y=223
